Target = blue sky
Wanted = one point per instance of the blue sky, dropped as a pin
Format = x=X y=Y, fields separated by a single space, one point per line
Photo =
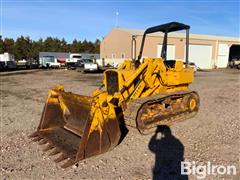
x=94 y=19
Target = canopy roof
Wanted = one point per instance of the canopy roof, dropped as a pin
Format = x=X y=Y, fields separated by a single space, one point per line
x=168 y=27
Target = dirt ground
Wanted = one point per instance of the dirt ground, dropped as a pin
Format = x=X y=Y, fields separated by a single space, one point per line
x=212 y=135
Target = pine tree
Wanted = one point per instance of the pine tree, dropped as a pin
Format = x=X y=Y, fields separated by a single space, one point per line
x=25 y=48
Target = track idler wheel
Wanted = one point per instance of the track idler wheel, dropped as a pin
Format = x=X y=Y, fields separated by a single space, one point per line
x=193 y=103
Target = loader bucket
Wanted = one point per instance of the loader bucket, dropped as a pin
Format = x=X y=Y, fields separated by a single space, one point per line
x=73 y=127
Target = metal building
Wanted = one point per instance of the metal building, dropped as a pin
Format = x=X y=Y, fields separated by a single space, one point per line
x=206 y=51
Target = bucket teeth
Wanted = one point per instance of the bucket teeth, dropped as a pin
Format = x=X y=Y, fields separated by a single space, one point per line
x=54 y=152
x=38 y=138
x=70 y=162
x=43 y=141
x=61 y=158
x=49 y=146
x=35 y=134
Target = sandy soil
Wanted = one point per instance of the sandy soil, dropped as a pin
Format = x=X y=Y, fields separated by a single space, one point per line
x=212 y=135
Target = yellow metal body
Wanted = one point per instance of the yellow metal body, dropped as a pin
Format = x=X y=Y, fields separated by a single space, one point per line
x=155 y=77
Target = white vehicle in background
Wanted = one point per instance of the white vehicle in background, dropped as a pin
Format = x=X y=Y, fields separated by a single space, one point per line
x=49 y=62
x=234 y=62
x=6 y=57
x=88 y=65
x=91 y=67
x=73 y=58
x=192 y=65
x=7 y=61
x=21 y=63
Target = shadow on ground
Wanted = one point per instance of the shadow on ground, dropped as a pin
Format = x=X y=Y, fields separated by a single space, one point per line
x=169 y=152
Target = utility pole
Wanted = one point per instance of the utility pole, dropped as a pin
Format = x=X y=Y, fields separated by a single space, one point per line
x=116 y=23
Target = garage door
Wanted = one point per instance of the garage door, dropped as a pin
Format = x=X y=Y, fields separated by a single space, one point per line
x=170 y=51
x=223 y=53
x=201 y=55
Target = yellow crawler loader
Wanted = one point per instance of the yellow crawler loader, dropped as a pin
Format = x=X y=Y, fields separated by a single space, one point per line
x=142 y=93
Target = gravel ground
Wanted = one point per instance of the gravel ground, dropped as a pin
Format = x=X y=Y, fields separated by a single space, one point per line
x=212 y=135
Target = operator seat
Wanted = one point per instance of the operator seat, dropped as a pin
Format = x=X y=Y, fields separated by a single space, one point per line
x=170 y=63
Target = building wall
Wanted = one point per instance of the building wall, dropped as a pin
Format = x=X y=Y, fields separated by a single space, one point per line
x=116 y=43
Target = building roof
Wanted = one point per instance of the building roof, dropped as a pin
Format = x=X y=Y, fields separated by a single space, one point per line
x=55 y=54
x=65 y=55
x=139 y=32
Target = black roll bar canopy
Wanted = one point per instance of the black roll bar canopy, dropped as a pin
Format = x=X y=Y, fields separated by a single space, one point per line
x=166 y=28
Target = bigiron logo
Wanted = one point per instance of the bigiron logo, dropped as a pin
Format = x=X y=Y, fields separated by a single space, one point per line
x=201 y=171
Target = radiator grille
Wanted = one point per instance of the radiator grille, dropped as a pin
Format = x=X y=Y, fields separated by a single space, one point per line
x=112 y=82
